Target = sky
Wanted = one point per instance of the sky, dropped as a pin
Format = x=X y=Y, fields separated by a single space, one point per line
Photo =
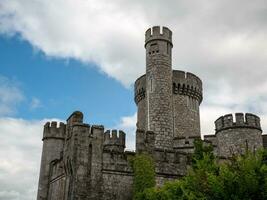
x=65 y=55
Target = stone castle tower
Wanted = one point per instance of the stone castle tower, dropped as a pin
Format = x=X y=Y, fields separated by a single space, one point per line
x=86 y=162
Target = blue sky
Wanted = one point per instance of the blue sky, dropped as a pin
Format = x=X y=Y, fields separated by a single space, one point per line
x=65 y=55
x=62 y=86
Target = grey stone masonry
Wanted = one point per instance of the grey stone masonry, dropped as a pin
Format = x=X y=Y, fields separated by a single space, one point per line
x=264 y=141
x=187 y=96
x=237 y=136
x=141 y=102
x=167 y=100
x=159 y=86
x=53 y=141
x=86 y=162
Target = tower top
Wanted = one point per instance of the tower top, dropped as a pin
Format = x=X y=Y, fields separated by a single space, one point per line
x=158 y=33
x=241 y=121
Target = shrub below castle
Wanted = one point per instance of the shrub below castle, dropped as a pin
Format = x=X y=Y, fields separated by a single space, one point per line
x=241 y=178
x=144 y=174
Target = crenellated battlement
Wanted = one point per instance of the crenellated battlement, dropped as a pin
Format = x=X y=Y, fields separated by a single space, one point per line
x=158 y=33
x=139 y=95
x=247 y=121
x=140 y=89
x=186 y=83
x=54 y=130
x=114 y=140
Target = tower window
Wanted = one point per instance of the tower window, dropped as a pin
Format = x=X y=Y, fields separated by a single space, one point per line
x=168 y=48
x=154 y=48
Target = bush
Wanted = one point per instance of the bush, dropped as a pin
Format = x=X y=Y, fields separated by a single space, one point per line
x=144 y=174
x=240 y=178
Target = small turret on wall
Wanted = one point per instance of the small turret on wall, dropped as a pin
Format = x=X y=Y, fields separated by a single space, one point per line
x=53 y=142
x=144 y=141
x=237 y=136
x=159 y=119
x=113 y=141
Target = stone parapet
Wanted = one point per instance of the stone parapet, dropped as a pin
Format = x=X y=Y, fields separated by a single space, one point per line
x=247 y=121
x=140 y=89
x=156 y=33
x=186 y=83
x=52 y=130
x=114 y=141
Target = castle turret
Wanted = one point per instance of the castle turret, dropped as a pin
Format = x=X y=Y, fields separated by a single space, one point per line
x=237 y=136
x=167 y=100
x=53 y=141
x=83 y=158
x=187 y=96
x=113 y=141
x=158 y=44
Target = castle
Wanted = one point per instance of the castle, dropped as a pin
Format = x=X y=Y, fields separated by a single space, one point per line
x=82 y=161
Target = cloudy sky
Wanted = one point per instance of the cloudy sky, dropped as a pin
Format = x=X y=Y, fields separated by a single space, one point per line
x=64 y=55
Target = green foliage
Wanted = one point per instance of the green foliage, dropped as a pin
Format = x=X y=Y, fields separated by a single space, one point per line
x=144 y=174
x=241 y=178
x=202 y=150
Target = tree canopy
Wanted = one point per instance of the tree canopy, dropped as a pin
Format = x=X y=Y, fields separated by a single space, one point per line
x=242 y=177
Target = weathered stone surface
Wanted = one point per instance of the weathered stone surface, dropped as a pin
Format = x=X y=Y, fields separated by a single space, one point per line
x=235 y=137
x=83 y=162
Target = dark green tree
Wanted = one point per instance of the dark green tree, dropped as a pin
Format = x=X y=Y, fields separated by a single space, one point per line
x=243 y=177
x=144 y=174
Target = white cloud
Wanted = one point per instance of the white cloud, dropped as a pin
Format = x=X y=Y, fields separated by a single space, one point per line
x=91 y=31
x=128 y=125
x=10 y=96
x=20 y=156
x=111 y=34
x=223 y=42
x=226 y=49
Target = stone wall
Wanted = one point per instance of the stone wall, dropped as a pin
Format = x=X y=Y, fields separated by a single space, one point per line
x=187 y=96
x=57 y=180
x=117 y=185
x=159 y=85
x=264 y=141
x=92 y=164
x=53 y=142
x=141 y=102
x=235 y=136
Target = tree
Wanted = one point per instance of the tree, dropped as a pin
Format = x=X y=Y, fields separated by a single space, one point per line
x=144 y=174
x=242 y=177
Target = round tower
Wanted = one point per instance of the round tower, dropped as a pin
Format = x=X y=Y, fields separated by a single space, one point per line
x=187 y=96
x=53 y=141
x=140 y=100
x=237 y=136
x=158 y=45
